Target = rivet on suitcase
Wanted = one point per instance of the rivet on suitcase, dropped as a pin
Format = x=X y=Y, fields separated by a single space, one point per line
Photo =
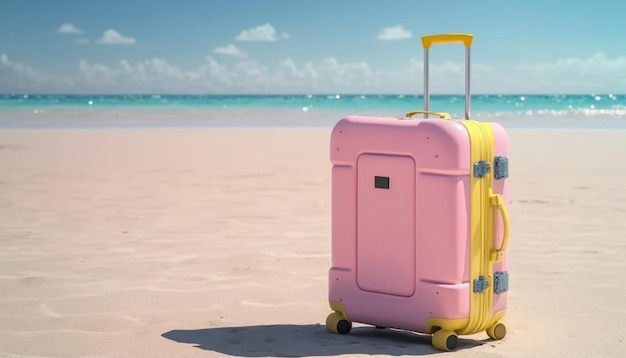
x=419 y=222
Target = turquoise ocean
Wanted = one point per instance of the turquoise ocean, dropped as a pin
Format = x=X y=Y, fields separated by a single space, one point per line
x=589 y=111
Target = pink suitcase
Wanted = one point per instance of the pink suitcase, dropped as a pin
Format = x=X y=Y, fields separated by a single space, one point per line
x=419 y=225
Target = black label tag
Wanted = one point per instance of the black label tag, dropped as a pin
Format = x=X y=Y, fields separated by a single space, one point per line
x=381 y=182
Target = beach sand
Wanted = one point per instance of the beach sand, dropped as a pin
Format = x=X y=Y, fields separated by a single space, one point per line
x=216 y=242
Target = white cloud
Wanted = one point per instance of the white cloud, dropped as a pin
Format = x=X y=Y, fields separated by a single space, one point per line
x=230 y=50
x=158 y=76
x=597 y=73
x=598 y=64
x=68 y=28
x=154 y=75
x=329 y=75
x=264 y=32
x=18 y=77
x=112 y=37
x=292 y=70
x=394 y=33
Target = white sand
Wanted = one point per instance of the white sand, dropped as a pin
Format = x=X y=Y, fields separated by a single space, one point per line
x=215 y=242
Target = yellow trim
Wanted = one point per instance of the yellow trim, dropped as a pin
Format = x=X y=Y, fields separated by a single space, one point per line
x=339 y=308
x=498 y=316
x=432 y=323
x=441 y=115
x=481 y=227
x=429 y=40
x=457 y=325
x=483 y=201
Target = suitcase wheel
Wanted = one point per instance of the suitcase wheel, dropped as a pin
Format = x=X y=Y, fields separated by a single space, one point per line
x=497 y=331
x=445 y=340
x=335 y=323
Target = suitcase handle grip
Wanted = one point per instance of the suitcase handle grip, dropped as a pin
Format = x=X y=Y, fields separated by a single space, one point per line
x=441 y=115
x=498 y=202
x=442 y=39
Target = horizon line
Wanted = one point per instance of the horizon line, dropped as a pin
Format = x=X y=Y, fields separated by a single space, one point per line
x=310 y=94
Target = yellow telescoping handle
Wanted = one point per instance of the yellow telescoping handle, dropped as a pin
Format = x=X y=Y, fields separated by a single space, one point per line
x=429 y=40
x=441 y=115
x=498 y=202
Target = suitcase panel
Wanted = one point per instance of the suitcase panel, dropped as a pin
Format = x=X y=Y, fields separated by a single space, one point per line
x=343 y=222
x=442 y=228
x=386 y=224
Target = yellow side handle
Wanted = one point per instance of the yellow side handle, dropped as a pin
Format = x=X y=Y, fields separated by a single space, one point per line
x=429 y=40
x=498 y=202
x=438 y=114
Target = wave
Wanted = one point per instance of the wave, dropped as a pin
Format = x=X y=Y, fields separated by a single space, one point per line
x=614 y=111
x=312 y=115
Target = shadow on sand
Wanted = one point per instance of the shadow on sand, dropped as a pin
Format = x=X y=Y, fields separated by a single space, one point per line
x=308 y=340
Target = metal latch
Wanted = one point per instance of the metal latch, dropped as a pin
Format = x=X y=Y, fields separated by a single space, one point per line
x=501 y=282
x=480 y=284
x=501 y=167
x=481 y=169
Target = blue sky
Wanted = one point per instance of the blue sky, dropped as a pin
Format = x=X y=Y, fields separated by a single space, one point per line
x=306 y=46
